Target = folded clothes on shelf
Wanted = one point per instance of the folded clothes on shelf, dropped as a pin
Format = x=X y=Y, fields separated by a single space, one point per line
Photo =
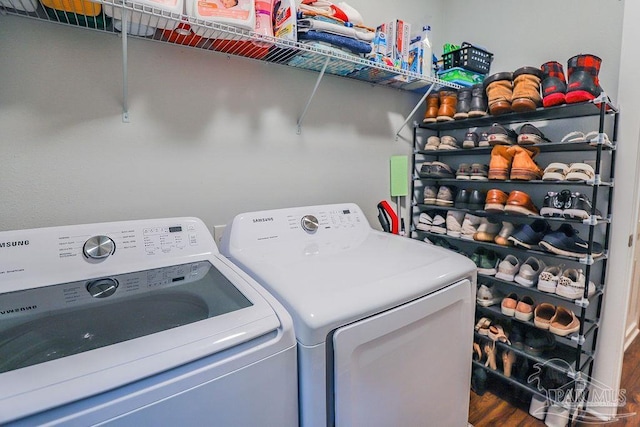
x=353 y=45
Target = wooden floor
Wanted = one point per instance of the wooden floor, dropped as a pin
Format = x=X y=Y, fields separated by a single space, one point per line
x=504 y=407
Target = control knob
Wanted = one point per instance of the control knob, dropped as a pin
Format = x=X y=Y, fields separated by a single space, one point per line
x=309 y=223
x=102 y=288
x=98 y=247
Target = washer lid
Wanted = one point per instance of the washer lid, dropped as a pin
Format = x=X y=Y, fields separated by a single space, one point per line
x=68 y=341
x=327 y=283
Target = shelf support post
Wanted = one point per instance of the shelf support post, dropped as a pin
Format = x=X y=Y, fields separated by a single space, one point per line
x=125 y=84
x=414 y=110
x=315 y=88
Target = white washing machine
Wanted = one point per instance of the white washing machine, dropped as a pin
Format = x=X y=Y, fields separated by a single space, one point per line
x=384 y=323
x=138 y=323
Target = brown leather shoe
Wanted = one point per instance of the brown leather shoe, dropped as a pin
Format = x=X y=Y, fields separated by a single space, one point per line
x=500 y=163
x=495 y=200
x=519 y=202
x=499 y=88
x=433 y=103
x=448 y=101
x=523 y=167
x=526 y=89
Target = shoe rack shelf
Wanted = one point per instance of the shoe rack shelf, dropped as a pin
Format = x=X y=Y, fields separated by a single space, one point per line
x=232 y=41
x=577 y=350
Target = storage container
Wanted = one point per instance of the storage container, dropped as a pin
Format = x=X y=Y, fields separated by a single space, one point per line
x=469 y=57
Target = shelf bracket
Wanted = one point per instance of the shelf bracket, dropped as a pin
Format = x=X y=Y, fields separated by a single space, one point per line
x=583 y=302
x=580 y=339
x=125 y=82
x=315 y=88
x=414 y=110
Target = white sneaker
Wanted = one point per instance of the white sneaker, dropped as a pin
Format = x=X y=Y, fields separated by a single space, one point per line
x=487 y=296
x=438 y=225
x=508 y=268
x=487 y=230
x=454 y=223
x=571 y=284
x=470 y=226
x=529 y=272
x=424 y=222
x=557 y=415
x=548 y=280
x=538 y=407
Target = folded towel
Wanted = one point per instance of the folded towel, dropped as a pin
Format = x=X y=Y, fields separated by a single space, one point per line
x=307 y=24
x=355 y=46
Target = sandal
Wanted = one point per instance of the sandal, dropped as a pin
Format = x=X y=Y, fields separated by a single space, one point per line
x=555 y=172
x=490 y=351
x=508 y=359
x=477 y=352
x=574 y=136
x=482 y=327
x=594 y=139
x=580 y=172
x=496 y=333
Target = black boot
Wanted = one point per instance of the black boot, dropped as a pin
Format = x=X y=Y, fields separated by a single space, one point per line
x=478 y=106
x=464 y=103
x=582 y=71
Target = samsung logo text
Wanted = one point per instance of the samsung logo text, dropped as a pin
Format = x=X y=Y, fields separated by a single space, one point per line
x=16 y=243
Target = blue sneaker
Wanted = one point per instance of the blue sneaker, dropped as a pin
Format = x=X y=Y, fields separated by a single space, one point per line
x=565 y=241
x=528 y=236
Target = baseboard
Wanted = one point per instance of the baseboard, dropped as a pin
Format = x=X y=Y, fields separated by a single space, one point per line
x=631 y=334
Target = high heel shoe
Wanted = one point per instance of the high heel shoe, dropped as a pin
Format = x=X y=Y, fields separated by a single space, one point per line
x=477 y=352
x=490 y=350
x=508 y=359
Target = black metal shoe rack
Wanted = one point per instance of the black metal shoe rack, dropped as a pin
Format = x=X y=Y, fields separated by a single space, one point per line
x=573 y=355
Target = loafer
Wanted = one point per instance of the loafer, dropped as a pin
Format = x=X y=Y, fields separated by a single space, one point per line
x=477 y=199
x=499 y=135
x=565 y=241
x=462 y=199
x=564 y=322
x=495 y=201
x=529 y=235
x=520 y=203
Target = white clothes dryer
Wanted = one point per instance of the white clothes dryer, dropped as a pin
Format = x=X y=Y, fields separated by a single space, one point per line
x=138 y=323
x=384 y=323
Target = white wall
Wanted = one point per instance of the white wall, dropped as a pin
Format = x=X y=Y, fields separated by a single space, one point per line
x=208 y=136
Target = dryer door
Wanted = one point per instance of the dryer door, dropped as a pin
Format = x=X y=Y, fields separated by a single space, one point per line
x=408 y=366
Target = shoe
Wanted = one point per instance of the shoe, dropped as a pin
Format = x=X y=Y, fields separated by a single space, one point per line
x=542 y=315
x=516 y=336
x=526 y=89
x=558 y=413
x=445 y=196
x=439 y=224
x=582 y=74
x=479 y=381
x=454 y=223
x=448 y=101
x=508 y=304
x=424 y=221
x=548 y=279
x=470 y=140
x=563 y=323
x=529 y=235
x=462 y=198
x=565 y=241
x=520 y=203
x=490 y=351
x=487 y=296
x=500 y=163
x=554 y=84
x=487 y=230
x=448 y=142
x=463 y=104
x=478 y=107
x=499 y=89
x=538 y=407
x=430 y=194
x=479 y=172
x=433 y=104
x=497 y=333
x=486 y=261
x=470 y=226
x=529 y=271
x=482 y=326
x=579 y=206
x=529 y=134
x=437 y=170
x=555 y=171
x=524 y=309
x=433 y=142
x=499 y=135
x=537 y=342
x=508 y=268
x=508 y=359
x=555 y=203
x=495 y=201
x=477 y=199
x=580 y=172
x=502 y=238
x=523 y=167
x=484 y=140
x=571 y=284
x=463 y=171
